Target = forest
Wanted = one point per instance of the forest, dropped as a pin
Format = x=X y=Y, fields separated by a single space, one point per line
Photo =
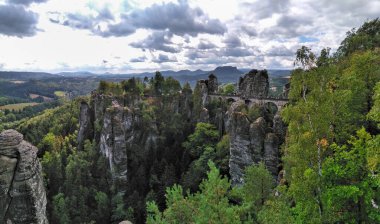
x=178 y=162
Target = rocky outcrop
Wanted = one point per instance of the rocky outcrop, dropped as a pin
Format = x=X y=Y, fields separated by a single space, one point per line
x=286 y=90
x=22 y=193
x=212 y=84
x=271 y=153
x=85 y=125
x=113 y=140
x=254 y=84
x=252 y=142
x=122 y=132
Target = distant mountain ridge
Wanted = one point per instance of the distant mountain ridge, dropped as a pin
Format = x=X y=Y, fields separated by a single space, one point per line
x=25 y=75
x=225 y=74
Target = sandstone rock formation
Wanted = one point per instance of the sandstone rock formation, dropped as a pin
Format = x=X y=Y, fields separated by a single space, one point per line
x=252 y=142
x=85 y=119
x=212 y=84
x=22 y=193
x=254 y=84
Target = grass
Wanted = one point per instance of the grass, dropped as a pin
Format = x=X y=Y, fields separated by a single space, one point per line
x=59 y=93
x=17 y=106
x=46 y=99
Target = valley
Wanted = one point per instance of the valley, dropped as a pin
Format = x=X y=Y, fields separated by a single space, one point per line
x=189 y=112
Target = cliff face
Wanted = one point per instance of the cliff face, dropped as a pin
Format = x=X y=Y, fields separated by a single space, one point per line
x=253 y=141
x=121 y=135
x=22 y=193
x=85 y=119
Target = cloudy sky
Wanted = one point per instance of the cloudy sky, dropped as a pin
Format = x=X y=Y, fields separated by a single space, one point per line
x=146 y=35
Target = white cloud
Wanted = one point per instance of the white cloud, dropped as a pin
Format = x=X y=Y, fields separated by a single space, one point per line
x=249 y=34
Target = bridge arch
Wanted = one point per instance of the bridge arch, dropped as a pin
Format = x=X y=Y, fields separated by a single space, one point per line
x=231 y=100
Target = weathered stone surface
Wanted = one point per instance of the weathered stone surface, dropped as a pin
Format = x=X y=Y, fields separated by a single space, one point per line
x=22 y=193
x=204 y=116
x=286 y=90
x=257 y=137
x=254 y=84
x=85 y=123
x=252 y=142
x=122 y=133
x=240 y=146
x=246 y=141
x=116 y=122
x=212 y=84
x=271 y=153
x=125 y=222
x=279 y=128
x=202 y=85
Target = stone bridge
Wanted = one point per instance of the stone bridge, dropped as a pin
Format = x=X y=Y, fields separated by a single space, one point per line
x=280 y=103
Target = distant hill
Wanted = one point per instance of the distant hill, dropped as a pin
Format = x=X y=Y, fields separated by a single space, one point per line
x=76 y=74
x=25 y=75
x=225 y=74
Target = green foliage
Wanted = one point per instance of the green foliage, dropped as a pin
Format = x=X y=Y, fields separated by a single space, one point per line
x=256 y=190
x=349 y=183
x=171 y=86
x=332 y=176
x=203 y=146
x=374 y=114
x=205 y=135
x=222 y=155
x=158 y=83
x=258 y=186
x=197 y=100
x=119 y=213
x=277 y=209
x=133 y=86
x=60 y=209
x=60 y=121
x=228 y=89
x=210 y=205
x=367 y=37
x=305 y=58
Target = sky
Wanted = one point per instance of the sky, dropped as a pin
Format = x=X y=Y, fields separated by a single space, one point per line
x=144 y=35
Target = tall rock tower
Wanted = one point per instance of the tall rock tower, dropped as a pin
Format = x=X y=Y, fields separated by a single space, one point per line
x=254 y=84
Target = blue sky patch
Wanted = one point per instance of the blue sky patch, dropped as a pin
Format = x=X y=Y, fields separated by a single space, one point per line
x=304 y=39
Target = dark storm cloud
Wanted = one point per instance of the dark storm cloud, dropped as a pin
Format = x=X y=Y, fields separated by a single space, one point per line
x=290 y=26
x=280 y=51
x=163 y=58
x=15 y=20
x=249 y=30
x=79 y=21
x=263 y=9
x=232 y=41
x=90 y=22
x=193 y=54
x=116 y=30
x=160 y=40
x=25 y=2
x=177 y=18
x=204 y=44
x=139 y=59
x=235 y=52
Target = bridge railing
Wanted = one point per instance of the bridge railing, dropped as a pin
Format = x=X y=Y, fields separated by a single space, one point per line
x=245 y=98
